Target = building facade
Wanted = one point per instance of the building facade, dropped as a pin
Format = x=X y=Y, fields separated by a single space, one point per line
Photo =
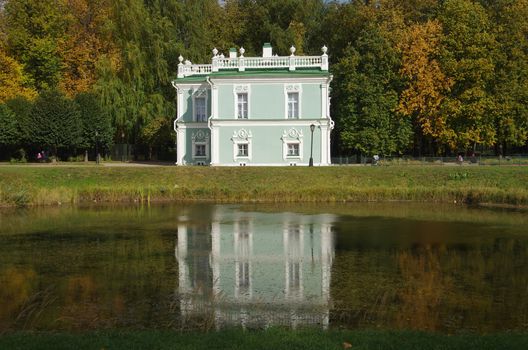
x=269 y=110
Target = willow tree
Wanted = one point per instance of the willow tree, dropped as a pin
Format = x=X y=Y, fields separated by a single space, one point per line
x=134 y=90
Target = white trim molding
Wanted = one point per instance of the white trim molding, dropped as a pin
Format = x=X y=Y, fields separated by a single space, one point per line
x=242 y=136
x=292 y=135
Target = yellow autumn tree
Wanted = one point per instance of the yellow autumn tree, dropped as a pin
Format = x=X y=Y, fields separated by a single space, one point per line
x=426 y=84
x=88 y=39
x=13 y=81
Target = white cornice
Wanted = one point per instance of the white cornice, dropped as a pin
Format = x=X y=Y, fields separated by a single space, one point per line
x=191 y=125
x=203 y=84
x=270 y=122
x=269 y=80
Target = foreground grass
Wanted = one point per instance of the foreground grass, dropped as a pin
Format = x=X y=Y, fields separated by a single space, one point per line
x=270 y=339
x=22 y=186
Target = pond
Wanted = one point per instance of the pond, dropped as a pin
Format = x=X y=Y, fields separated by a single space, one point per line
x=443 y=268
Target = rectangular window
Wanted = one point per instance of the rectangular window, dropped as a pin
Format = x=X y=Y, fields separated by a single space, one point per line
x=294 y=272
x=293 y=105
x=243 y=277
x=242 y=150
x=200 y=112
x=242 y=106
x=293 y=149
x=199 y=150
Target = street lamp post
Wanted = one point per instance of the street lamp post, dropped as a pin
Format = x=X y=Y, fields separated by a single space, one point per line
x=97 y=147
x=312 y=128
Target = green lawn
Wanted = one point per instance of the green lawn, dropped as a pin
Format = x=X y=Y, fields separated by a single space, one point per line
x=23 y=185
x=275 y=339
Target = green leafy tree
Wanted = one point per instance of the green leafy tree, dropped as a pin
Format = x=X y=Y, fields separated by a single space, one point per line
x=510 y=83
x=468 y=59
x=36 y=29
x=96 y=124
x=366 y=85
x=136 y=89
x=21 y=107
x=57 y=122
x=9 y=135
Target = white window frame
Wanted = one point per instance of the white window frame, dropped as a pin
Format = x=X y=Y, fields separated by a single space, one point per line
x=293 y=88
x=239 y=148
x=195 y=108
x=242 y=89
x=298 y=144
x=242 y=136
x=295 y=110
x=200 y=138
x=236 y=157
x=196 y=144
x=199 y=93
x=242 y=115
x=290 y=136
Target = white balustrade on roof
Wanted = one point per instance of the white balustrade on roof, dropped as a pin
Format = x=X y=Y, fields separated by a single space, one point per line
x=241 y=63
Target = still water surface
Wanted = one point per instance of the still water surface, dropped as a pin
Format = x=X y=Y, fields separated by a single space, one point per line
x=392 y=266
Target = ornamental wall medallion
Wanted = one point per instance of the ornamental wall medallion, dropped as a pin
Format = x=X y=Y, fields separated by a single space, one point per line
x=241 y=88
x=242 y=134
x=292 y=134
x=200 y=135
x=292 y=88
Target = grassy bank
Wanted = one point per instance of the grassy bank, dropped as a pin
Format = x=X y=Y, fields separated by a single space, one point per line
x=271 y=339
x=24 y=186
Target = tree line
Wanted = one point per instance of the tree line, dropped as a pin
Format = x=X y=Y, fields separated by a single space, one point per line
x=421 y=77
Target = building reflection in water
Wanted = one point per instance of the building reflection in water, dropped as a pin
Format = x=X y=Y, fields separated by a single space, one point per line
x=256 y=269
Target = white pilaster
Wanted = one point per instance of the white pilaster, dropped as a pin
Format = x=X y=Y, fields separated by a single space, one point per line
x=215 y=144
x=181 y=255
x=215 y=257
x=324 y=100
x=324 y=145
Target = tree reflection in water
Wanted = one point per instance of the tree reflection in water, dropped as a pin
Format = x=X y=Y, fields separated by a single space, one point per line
x=394 y=267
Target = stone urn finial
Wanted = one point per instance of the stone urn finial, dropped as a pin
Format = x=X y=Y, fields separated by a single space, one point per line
x=242 y=50
x=215 y=52
x=324 y=49
x=180 y=59
x=292 y=50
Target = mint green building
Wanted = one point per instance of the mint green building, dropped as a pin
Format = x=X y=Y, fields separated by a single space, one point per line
x=269 y=110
